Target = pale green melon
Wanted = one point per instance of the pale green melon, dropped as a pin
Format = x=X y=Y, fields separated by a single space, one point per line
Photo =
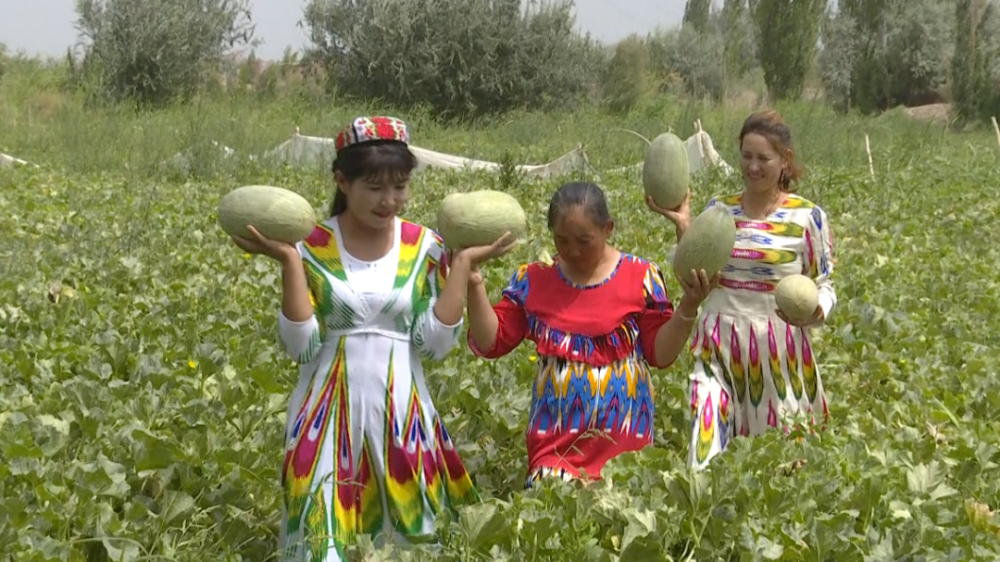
x=707 y=244
x=666 y=171
x=277 y=213
x=797 y=296
x=479 y=218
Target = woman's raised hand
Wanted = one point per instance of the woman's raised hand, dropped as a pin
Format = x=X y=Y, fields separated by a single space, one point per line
x=257 y=244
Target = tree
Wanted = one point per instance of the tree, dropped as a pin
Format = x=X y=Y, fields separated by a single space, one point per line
x=459 y=57
x=696 y=14
x=625 y=79
x=975 y=77
x=738 y=49
x=787 y=33
x=151 y=51
x=881 y=53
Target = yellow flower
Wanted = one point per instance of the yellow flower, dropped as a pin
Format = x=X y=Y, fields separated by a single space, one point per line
x=533 y=358
x=246 y=256
x=192 y=363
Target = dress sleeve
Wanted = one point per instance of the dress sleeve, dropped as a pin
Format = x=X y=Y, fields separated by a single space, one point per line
x=512 y=320
x=657 y=312
x=433 y=338
x=300 y=340
x=819 y=258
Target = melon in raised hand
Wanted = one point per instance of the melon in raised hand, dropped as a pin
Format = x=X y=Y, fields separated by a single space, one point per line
x=479 y=218
x=666 y=171
x=797 y=297
x=707 y=244
x=277 y=213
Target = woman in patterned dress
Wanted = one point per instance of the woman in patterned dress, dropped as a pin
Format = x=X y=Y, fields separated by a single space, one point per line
x=599 y=319
x=754 y=368
x=364 y=301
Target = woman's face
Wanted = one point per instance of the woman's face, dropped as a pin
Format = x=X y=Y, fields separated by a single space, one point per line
x=761 y=163
x=579 y=240
x=376 y=203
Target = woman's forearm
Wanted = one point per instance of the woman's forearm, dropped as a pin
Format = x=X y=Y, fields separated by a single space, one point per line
x=295 y=304
x=483 y=322
x=673 y=336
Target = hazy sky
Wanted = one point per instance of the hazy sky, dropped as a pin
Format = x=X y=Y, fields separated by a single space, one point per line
x=47 y=26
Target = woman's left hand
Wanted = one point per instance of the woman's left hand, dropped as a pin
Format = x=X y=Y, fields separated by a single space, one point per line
x=698 y=290
x=816 y=318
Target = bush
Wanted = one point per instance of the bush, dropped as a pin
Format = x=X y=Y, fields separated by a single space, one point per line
x=625 y=80
x=459 y=57
x=696 y=58
x=152 y=52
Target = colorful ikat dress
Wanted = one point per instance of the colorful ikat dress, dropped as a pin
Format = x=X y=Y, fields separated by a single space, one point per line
x=366 y=451
x=592 y=398
x=752 y=370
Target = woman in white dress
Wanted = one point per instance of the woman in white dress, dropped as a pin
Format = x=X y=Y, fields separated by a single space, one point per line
x=364 y=300
x=754 y=368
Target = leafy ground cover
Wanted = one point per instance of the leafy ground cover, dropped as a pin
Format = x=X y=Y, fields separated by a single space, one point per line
x=142 y=394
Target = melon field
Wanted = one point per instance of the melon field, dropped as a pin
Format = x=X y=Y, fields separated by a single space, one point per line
x=142 y=393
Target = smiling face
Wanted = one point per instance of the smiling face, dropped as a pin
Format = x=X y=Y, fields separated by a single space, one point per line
x=580 y=241
x=761 y=163
x=373 y=183
x=375 y=202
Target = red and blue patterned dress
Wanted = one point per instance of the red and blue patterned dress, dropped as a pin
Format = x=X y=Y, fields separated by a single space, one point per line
x=592 y=398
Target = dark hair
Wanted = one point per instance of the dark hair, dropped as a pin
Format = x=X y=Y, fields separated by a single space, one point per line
x=373 y=161
x=770 y=125
x=579 y=194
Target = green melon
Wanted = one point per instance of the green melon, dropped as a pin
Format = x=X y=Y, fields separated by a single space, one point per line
x=666 y=171
x=797 y=296
x=479 y=218
x=277 y=213
x=707 y=244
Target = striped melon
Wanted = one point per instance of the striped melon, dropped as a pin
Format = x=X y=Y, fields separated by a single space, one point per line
x=707 y=244
x=479 y=218
x=277 y=214
x=666 y=171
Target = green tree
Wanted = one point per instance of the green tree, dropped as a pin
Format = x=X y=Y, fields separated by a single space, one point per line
x=738 y=46
x=975 y=76
x=151 y=51
x=881 y=53
x=787 y=33
x=625 y=79
x=458 y=57
x=696 y=14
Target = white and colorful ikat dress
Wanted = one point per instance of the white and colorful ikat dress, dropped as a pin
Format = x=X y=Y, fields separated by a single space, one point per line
x=366 y=452
x=752 y=371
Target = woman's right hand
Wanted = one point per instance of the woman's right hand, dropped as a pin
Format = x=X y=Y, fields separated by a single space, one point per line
x=680 y=216
x=280 y=251
x=476 y=255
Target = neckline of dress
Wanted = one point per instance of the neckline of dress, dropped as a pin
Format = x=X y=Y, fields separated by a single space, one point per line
x=605 y=281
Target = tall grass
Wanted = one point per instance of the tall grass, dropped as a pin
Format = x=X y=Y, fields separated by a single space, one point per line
x=43 y=121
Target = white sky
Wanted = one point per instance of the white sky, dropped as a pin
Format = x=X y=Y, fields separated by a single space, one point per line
x=46 y=27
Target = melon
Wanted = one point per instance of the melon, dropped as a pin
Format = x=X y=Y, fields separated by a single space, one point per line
x=707 y=244
x=277 y=214
x=479 y=218
x=666 y=171
x=797 y=297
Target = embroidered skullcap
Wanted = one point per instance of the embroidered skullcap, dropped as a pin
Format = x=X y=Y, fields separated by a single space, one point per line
x=368 y=129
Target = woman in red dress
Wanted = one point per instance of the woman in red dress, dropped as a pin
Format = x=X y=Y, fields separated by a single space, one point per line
x=599 y=318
